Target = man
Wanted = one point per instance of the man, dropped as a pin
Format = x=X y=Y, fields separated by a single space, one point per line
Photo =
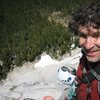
x=86 y=23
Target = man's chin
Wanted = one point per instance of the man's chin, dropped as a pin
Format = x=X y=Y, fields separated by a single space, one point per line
x=93 y=60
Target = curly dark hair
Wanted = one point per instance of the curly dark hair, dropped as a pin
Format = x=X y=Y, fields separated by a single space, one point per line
x=88 y=16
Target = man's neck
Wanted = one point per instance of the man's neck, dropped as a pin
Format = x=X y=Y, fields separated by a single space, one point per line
x=94 y=64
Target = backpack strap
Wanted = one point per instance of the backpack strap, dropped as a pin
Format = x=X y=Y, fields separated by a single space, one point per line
x=94 y=73
x=99 y=87
x=88 y=97
x=97 y=76
x=88 y=78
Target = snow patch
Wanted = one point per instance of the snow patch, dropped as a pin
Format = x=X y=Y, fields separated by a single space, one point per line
x=44 y=61
x=36 y=80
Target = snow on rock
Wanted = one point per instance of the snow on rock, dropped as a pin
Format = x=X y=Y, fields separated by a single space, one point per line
x=36 y=80
x=24 y=74
x=44 y=61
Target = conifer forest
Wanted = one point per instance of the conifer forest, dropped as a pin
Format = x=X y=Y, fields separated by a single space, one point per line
x=30 y=27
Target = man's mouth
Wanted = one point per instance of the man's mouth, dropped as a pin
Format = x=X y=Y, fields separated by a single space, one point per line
x=91 y=54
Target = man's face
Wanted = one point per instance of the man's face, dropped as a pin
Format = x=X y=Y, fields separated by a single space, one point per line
x=89 y=40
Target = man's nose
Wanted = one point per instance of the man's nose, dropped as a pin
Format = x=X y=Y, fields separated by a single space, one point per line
x=89 y=43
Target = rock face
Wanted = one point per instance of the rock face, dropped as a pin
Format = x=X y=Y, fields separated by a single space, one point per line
x=29 y=83
x=58 y=18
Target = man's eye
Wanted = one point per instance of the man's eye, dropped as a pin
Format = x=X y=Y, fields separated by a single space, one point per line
x=82 y=35
x=96 y=35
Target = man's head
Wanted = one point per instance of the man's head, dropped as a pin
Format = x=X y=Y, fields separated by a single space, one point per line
x=86 y=23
